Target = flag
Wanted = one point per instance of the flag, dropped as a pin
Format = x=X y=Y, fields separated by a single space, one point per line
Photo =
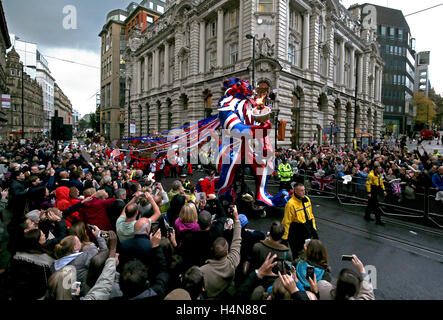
x=323 y=182
x=396 y=189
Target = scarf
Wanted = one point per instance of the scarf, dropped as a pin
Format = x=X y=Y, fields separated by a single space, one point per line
x=63 y=262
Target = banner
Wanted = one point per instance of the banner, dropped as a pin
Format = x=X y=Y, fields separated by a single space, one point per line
x=6 y=101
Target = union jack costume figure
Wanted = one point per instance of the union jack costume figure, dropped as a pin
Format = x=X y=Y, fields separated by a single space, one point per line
x=239 y=127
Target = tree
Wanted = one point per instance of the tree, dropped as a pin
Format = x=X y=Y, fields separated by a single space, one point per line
x=426 y=109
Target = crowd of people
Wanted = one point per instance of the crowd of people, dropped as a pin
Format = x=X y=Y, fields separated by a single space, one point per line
x=76 y=227
x=405 y=173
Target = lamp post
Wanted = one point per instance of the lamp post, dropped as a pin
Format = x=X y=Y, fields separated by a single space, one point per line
x=23 y=99
x=250 y=36
x=332 y=126
x=277 y=111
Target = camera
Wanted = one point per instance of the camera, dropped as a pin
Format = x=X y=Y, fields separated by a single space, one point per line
x=74 y=287
x=90 y=226
x=104 y=234
x=347 y=257
x=310 y=273
x=287 y=267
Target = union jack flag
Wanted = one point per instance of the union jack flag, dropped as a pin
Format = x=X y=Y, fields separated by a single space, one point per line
x=324 y=182
x=396 y=188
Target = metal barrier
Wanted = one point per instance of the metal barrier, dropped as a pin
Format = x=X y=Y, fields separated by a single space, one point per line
x=435 y=211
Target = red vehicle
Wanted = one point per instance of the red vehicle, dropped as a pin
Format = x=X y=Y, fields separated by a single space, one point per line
x=427 y=134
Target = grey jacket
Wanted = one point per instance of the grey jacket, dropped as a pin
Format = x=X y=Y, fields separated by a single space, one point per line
x=81 y=263
x=104 y=284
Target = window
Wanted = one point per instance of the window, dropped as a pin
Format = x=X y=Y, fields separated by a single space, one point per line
x=391 y=33
x=383 y=31
x=212 y=60
x=400 y=35
x=151 y=6
x=213 y=30
x=149 y=19
x=12 y=72
x=265 y=5
x=387 y=48
x=400 y=109
x=160 y=9
x=233 y=49
x=184 y=67
x=291 y=56
x=233 y=19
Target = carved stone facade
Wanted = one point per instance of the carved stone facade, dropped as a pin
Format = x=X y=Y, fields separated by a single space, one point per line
x=314 y=52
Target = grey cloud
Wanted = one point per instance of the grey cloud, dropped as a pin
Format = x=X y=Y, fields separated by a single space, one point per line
x=41 y=21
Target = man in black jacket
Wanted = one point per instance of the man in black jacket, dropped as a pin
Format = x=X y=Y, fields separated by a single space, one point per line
x=116 y=208
x=134 y=277
x=17 y=195
x=196 y=245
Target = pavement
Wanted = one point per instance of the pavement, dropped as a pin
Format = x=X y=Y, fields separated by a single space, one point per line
x=429 y=145
x=405 y=257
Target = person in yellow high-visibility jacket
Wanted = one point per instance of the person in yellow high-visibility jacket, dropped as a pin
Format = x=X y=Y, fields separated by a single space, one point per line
x=374 y=187
x=298 y=220
x=285 y=175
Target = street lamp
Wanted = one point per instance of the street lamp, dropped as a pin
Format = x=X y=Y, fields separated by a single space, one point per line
x=332 y=126
x=276 y=111
x=250 y=36
x=23 y=99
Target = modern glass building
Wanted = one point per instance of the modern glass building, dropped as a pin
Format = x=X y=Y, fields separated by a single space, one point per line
x=398 y=52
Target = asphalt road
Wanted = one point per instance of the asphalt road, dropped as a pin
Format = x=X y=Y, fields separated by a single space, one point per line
x=407 y=257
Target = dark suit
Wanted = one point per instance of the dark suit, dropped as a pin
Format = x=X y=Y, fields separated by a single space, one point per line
x=114 y=211
x=17 y=199
x=138 y=247
x=77 y=184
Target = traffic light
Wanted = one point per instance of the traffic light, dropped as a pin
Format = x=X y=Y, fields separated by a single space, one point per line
x=57 y=128
x=67 y=132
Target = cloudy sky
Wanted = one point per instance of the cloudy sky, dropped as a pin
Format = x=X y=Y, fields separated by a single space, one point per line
x=41 y=22
x=426 y=28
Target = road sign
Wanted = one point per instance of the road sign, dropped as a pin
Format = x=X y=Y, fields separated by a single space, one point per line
x=132 y=128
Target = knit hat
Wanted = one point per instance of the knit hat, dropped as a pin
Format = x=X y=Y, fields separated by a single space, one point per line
x=178 y=294
x=243 y=220
x=33 y=215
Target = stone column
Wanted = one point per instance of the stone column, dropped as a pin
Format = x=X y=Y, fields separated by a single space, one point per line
x=220 y=15
x=352 y=69
x=306 y=24
x=201 y=56
x=155 y=69
x=241 y=36
x=138 y=80
x=342 y=62
x=360 y=73
x=166 y=75
x=145 y=80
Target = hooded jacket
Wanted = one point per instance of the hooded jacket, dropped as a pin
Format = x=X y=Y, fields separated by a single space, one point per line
x=64 y=201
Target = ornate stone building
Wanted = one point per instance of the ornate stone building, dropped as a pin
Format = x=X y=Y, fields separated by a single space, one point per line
x=324 y=62
x=63 y=105
x=33 y=101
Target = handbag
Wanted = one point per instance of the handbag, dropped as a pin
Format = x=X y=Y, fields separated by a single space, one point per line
x=409 y=193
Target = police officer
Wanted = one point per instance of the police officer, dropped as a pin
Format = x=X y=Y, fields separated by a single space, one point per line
x=374 y=187
x=285 y=175
x=185 y=182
